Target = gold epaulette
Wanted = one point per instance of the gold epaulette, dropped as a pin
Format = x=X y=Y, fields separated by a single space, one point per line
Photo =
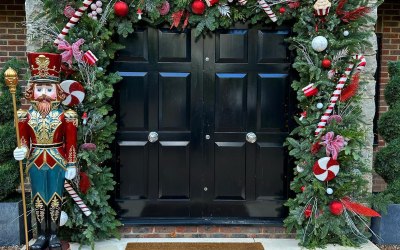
x=70 y=114
x=22 y=114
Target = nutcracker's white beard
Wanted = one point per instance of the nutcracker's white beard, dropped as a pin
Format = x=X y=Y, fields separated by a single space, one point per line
x=44 y=105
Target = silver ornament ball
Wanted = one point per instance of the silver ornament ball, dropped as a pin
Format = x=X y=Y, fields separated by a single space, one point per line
x=346 y=33
x=320 y=105
x=329 y=191
x=299 y=169
x=319 y=43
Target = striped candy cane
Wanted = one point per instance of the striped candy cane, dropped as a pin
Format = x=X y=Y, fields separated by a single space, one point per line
x=267 y=10
x=77 y=199
x=73 y=21
x=338 y=91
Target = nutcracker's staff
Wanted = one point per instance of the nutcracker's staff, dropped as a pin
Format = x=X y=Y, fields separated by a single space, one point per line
x=11 y=78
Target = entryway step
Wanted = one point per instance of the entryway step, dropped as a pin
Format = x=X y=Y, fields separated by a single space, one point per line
x=268 y=244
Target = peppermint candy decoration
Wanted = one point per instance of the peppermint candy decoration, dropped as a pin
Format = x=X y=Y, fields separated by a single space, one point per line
x=75 y=92
x=326 y=169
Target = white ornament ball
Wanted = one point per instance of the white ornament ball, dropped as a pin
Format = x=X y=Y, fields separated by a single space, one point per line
x=94 y=13
x=94 y=17
x=346 y=33
x=299 y=169
x=320 y=105
x=319 y=43
x=329 y=191
x=99 y=10
x=99 y=4
x=93 y=6
x=63 y=218
x=90 y=15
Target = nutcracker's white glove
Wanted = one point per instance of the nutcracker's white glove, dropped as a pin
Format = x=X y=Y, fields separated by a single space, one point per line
x=20 y=153
x=71 y=173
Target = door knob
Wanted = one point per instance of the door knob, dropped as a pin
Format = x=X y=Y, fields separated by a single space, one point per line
x=153 y=137
x=251 y=137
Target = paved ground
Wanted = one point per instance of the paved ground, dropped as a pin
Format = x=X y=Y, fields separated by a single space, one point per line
x=269 y=244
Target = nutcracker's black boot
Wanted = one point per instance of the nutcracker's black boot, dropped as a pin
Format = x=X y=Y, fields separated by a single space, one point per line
x=54 y=222
x=40 y=212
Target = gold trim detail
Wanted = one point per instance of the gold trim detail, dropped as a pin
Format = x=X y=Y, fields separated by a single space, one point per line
x=55 y=209
x=72 y=154
x=40 y=209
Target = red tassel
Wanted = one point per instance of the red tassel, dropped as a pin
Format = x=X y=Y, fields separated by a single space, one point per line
x=347 y=16
x=84 y=183
x=359 y=209
x=351 y=89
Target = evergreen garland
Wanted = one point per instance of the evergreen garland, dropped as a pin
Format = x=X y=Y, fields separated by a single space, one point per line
x=322 y=227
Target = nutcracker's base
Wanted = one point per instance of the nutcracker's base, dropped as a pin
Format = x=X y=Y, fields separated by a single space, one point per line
x=65 y=245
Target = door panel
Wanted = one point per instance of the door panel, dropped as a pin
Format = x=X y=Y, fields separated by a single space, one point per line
x=202 y=96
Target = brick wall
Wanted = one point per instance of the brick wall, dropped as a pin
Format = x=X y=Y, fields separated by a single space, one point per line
x=389 y=26
x=12 y=31
x=205 y=232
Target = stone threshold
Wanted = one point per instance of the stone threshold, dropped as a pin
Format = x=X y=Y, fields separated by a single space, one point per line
x=269 y=244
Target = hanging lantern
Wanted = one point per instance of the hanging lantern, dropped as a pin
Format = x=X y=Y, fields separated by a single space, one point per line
x=322 y=7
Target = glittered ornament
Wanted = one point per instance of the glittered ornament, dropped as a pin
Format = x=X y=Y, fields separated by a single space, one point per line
x=93 y=6
x=164 y=9
x=88 y=146
x=63 y=218
x=329 y=191
x=299 y=169
x=282 y=10
x=121 y=9
x=346 y=33
x=69 y=11
x=326 y=63
x=319 y=43
x=336 y=207
x=320 y=105
x=99 y=4
x=198 y=7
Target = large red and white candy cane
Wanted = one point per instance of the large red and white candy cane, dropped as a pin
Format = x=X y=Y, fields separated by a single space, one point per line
x=73 y=21
x=339 y=87
x=77 y=199
x=267 y=10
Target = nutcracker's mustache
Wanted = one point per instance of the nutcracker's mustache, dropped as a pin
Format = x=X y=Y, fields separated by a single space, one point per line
x=44 y=105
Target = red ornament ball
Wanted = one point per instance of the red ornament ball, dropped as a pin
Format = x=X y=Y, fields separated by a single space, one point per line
x=282 y=10
x=121 y=9
x=326 y=63
x=303 y=188
x=308 y=211
x=198 y=7
x=336 y=207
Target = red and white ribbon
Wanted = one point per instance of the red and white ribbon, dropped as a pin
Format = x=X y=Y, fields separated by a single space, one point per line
x=77 y=199
x=73 y=21
x=90 y=58
x=339 y=87
x=267 y=10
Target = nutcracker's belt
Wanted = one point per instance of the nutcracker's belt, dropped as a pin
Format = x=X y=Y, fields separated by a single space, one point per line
x=54 y=145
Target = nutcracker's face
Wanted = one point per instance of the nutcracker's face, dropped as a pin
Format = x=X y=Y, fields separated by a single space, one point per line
x=45 y=91
x=44 y=94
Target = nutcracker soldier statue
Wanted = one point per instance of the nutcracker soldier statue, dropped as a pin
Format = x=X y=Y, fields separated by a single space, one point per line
x=48 y=137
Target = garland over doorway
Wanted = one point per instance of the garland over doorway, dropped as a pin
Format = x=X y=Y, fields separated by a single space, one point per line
x=326 y=145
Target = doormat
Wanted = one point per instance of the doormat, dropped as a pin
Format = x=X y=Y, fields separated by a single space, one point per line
x=194 y=246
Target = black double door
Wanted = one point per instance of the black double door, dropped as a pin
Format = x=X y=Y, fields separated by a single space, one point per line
x=201 y=124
